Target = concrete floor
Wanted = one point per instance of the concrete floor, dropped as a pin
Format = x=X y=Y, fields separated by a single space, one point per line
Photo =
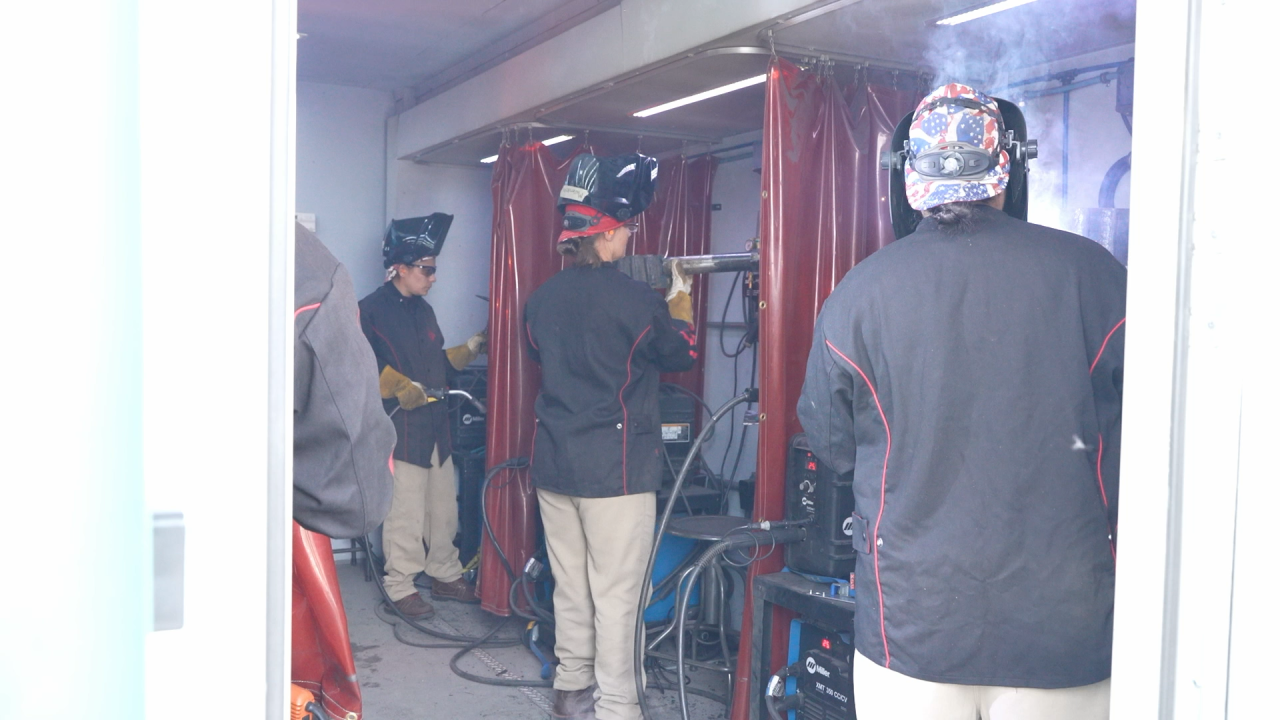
x=402 y=682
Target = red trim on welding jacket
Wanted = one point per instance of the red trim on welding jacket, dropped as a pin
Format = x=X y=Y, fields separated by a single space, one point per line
x=884 y=475
x=529 y=333
x=404 y=416
x=303 y=309
x=391 y=462
x=1105 y=504
x=1104 y=345
x=626 y=424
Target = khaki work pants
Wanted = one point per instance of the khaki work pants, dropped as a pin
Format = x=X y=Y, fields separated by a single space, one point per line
x=598 y=548
x=424 y=506
x=883 y=694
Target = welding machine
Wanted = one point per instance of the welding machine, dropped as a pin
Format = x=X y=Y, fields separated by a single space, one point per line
x=817 y=495
x=823 y=675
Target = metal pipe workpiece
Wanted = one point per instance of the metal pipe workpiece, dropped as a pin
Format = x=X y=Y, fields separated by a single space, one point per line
x=725 y=262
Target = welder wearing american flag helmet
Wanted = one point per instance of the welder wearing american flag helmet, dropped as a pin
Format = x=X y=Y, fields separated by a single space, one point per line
x=956 y=149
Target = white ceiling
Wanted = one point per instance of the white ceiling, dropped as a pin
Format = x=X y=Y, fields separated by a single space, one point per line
x=424 y=44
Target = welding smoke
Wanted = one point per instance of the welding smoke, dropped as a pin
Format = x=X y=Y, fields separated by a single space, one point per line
x=999 y=50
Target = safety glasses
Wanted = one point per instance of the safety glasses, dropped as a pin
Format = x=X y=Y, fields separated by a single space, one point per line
x=427 y=270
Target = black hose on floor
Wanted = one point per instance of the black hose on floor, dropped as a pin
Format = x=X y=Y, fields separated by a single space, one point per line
x=464 y=643
x=646 y=585
x=453 y=640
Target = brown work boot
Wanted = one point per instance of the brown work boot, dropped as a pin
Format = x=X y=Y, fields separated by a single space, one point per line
x=414 y=607
x=575 y=704
x=458 y=591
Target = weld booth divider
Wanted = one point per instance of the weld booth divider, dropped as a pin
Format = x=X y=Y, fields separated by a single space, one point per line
x=822 y=210
x=526 y=182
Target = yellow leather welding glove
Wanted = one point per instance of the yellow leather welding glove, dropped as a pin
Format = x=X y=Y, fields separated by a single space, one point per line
x=678 y=300
x=681 y=307
x=394 y=384
x=463 y=355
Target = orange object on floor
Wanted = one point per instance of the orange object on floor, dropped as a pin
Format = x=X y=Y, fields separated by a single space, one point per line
x=299 y=699
x=322 y=660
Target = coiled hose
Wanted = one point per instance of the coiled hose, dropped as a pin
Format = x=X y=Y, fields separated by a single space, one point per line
x=747 y=538
x=465 y=643
x=646 y=586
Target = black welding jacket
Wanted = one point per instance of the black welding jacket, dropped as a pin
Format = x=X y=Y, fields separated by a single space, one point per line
x=972 y=383
x=405 y=335
x=602 y=339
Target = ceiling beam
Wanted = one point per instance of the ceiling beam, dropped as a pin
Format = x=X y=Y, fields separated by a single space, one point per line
x=560 y=20
x=626 y=39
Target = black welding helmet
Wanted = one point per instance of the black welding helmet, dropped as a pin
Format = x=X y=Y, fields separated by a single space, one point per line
x=602 y=193
x=1012 y=128
x=412 y=239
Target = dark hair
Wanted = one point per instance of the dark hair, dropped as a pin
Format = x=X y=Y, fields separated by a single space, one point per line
x=956 y=216
x=583 y=250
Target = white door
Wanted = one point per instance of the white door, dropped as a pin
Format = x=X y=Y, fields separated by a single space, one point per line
x=217 y=169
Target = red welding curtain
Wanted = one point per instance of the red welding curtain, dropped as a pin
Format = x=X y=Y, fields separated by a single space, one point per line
x=321 y=659
x=678 y=223
x=822 y=210
x=526 y=181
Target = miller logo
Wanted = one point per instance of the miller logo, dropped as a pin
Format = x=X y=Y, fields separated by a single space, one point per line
x=848 y=526
x=813 y=667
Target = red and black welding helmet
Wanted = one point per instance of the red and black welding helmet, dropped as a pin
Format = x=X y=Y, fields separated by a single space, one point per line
x=602 y=193
x=412 y=239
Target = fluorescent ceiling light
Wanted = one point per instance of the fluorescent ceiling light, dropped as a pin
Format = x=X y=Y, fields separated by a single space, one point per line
x=549 y=141
x=701 y=96
x=982 y=12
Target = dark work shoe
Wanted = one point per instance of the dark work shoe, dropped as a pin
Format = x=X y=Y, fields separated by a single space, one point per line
x=414 y=607
x=458 y=591
x=575 y=704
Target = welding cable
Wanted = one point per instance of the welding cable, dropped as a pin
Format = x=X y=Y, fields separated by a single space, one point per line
x=776 y=689
x=692 y=394
x=511 y=464
x=646 y=585
x=780 y=536
x=501 y=682
x=724 y=314
x=539 y=613
x=453 y=639
x=778 y=710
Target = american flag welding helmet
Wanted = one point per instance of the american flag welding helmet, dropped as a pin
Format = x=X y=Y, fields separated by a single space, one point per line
x=956 y=149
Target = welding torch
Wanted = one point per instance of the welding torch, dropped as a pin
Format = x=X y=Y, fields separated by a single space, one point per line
x=438 y=394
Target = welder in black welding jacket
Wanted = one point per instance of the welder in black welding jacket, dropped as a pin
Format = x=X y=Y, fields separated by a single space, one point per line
x=970 y=377
x=412 y=358
x=602 y=339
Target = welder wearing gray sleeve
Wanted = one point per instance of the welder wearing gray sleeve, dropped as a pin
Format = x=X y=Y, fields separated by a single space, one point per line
x=602 y=340
x=969 y=375
x=342 y=439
